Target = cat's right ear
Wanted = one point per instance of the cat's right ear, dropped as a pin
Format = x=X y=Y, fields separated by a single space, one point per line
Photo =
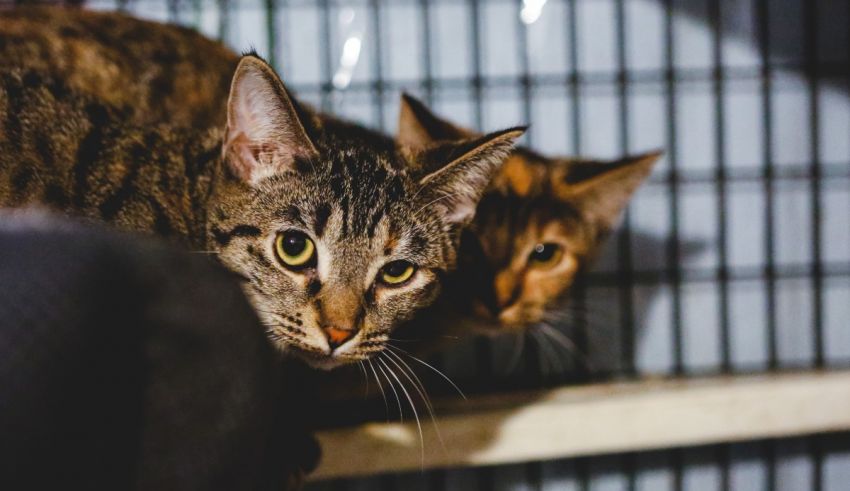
x=458 y=173
x=601 y=190
x=264 y=135
x=419 y=127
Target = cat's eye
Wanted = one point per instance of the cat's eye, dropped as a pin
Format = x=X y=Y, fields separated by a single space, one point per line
x=545 y=254
x=295 y=249
x=397 y=272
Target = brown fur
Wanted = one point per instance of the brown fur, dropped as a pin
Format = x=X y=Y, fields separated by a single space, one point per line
x=161 y=73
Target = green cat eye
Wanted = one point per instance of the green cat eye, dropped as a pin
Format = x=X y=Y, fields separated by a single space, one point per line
x=547 y=254
x=295 y=249
x=397 y=272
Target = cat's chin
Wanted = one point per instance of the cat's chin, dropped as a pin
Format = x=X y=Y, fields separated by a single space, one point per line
x=320 y=362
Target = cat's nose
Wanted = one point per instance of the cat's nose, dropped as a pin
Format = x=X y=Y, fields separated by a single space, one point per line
x=337 y=336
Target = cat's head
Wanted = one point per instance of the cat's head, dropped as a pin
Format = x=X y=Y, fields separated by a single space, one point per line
x=540 y=222
x=339 y=232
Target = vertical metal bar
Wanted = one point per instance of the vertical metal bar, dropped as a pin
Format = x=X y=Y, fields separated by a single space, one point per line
x=173 y=10
x=573 y=78
x=720 y=186
x=627 y=345
x=271 y=31
x=677 y=462
x=816 y=451
x=673 y=258
x=813 y=72
x=223 y=18
x=477 y=81
x=327 y=54
x=763 y=16
x=428 y=67
x=525 y=71
x=378 y=65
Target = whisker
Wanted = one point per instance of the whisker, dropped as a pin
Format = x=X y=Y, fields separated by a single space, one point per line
x=417 y=384
x=426 y=205
x=412 y=407
x=381 y=388
x=546 y=348
x=365 y=377
x=441 y=374
x=392 y=386
x=517 y=354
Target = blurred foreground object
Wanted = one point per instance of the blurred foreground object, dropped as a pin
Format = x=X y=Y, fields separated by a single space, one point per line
x=127 y=365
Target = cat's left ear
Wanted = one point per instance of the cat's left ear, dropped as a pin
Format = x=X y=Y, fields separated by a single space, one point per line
x=601 y=190
x=419 y=127
x=455 y=187
x=264 y=134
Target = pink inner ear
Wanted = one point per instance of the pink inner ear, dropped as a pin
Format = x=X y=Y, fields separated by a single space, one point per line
x=242 y=157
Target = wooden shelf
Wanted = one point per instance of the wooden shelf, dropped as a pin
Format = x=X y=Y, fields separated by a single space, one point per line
x=598 y=419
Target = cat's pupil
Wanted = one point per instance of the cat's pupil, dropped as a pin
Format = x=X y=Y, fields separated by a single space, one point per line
x=396 y=268
x=544 y=252
x=294 y=244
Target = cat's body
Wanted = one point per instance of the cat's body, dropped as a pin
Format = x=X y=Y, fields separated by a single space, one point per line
x=160 y=73
x=76 y=154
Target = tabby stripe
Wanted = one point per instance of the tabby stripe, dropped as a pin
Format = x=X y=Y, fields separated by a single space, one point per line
x=89 y=150
x=223 y=238
x=110 y=207
x=320 y=221
x=162 y=223
x=14 y=102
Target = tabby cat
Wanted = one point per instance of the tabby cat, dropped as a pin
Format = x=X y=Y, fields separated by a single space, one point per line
x=157 y=72
x=339 y=233
x=541 y=222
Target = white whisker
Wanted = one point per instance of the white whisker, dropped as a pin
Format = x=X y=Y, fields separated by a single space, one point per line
x=392 y=386
x=412 y=407
x=517 y=354
x=441 y=374
x=381 y=388
x=417 y=384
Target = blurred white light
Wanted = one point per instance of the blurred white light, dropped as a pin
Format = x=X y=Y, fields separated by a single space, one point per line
x=531 y=10
x=347 y=61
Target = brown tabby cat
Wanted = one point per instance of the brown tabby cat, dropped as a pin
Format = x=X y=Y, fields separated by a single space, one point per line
x=160 y=73
x=540 y=223
x=339 y=233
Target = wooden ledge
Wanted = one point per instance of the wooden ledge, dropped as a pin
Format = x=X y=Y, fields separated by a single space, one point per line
x=598 y=419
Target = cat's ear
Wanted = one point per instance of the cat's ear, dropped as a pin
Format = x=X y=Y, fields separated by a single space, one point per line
x=601 y=190
x=419 y=127
x=264 y=134
x=468 y=166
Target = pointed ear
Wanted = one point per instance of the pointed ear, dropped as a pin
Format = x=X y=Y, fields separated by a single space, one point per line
x=264 y=135
x=455 y=188
x=601 y=190
x=419 y=127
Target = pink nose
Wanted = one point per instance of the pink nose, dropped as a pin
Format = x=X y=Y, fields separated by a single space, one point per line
x=337 y=336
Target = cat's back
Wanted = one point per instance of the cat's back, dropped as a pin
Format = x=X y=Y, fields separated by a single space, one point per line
x=74 y=153
x=164 y=73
